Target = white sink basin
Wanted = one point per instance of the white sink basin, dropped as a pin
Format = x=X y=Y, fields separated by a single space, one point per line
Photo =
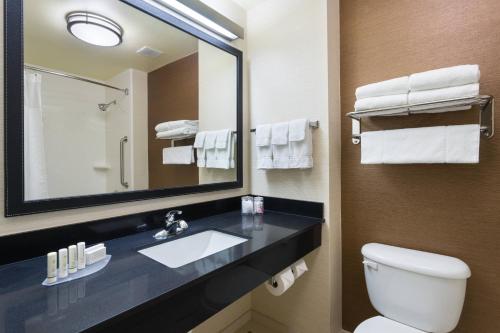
x=182 y=251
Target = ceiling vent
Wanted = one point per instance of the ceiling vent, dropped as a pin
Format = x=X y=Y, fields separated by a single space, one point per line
x=149 y=52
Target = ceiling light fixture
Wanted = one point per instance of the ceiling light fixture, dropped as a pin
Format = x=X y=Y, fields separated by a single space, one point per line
x=195 y=16
x=94 y=29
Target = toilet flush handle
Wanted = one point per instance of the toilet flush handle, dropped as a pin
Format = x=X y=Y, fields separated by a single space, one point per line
x=371 y=264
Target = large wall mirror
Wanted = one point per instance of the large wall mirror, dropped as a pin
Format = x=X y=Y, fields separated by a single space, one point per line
x=146 y=107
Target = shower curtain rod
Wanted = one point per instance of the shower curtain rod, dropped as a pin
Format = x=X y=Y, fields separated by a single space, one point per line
x=39 y=69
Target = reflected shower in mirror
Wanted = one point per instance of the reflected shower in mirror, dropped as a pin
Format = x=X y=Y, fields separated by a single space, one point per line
x=114 y=100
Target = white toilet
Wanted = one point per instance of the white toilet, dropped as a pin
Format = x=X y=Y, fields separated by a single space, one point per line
x=415 y=291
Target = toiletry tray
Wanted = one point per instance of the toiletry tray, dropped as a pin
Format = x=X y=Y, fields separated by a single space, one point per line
x=89 y=270
x=485 y=102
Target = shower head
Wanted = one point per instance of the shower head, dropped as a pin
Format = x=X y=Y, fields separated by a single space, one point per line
x=104 y=106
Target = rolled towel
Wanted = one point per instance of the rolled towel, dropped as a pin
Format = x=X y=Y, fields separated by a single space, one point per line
x=171 y=125
x=395 y=86
x=178 y=133
x=435 y=95
x=381 y=102
x=445 y=77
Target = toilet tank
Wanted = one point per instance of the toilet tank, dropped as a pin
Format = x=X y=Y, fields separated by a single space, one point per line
x=419 y=289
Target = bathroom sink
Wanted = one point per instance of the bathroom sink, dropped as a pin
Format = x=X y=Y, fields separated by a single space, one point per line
x=185 y=250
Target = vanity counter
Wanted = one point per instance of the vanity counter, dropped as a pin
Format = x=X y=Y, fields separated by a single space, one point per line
x=135 y=292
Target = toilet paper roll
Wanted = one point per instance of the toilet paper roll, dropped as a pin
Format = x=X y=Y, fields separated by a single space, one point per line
x=299 y=268
x=283 y=281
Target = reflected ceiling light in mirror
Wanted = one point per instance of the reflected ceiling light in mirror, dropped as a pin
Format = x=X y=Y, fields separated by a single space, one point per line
x=198 y=18
x=94 y=29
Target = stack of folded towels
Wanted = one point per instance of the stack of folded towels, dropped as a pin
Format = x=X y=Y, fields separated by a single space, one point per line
x=178 y=129
x=215 y=149
x=286 y=145
x=432 y=86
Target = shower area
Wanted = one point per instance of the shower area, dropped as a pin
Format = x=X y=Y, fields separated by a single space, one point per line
x=84 y=136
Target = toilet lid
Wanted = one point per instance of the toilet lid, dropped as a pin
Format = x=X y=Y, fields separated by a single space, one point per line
x=383 y=325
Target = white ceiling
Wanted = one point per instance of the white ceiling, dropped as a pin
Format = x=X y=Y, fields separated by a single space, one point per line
x=48 y=44
x=248 y=4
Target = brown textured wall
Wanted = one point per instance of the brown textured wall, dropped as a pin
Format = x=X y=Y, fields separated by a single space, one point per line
x=448 y=209
x=172 y=95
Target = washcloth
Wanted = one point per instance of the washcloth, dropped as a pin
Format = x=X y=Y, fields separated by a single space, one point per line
x=263 y=146
x=300 y=144
x=263 y=135
x=279 y=133
x=381 y=102
x=170 y=125
x=178 y=155
x=395 y=86
x=445 y=77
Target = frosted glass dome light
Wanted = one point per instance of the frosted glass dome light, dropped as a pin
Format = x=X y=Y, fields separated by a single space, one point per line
x=94 y=29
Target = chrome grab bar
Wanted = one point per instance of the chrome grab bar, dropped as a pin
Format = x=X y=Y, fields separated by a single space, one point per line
x=122 y=161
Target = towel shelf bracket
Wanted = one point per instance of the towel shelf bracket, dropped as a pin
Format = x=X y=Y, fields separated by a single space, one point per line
x=486 y=114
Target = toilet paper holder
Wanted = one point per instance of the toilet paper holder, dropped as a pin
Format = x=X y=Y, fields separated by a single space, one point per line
x=272 y=282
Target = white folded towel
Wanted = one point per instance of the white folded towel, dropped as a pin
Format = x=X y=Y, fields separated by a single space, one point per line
x=178 y=155
x=440 y=144
x=224 y=150
x=301 y=149
x=221 y=142
x=199 y=143
x=445 y=77
x=279 y=133
x=395 y=86
x=170 y=125
x=435 y=95
x=210 y=152
x=280 y=146
x=263 y=146
x=263 y=135
x=381 y=102
x=178 y=133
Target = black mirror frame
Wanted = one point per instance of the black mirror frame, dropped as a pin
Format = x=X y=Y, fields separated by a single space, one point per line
x=14 y=114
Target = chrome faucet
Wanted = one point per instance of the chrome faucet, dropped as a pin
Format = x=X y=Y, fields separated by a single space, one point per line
x=172 y=226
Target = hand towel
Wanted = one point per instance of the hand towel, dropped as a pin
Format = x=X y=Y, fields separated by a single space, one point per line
x=263 y=146
x=395 y=86
x=199 y=143
x=178 y=155
x=300 y=145
x=381 y=102
x=445 y=77
x=210 y=153
x=434 y=95
x=170 y=125
x=263 y=135
x=280 y=146
x=223 y=149
x=462 y=143
x=178 y=133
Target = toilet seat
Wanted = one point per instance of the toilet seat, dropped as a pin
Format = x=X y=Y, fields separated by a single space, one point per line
x=381 y=324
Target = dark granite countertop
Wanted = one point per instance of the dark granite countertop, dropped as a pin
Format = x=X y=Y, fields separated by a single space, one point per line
x=130 y=279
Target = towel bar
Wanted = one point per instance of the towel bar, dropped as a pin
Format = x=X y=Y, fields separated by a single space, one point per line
x=312 y=124
x=485 y=102
x=172 y=141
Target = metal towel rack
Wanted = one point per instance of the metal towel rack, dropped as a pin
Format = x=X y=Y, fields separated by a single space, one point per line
x=486 y=114
x=172 y=141
x=312 y=124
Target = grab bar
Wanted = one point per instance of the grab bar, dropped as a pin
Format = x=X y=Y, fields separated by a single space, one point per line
x=122 y=161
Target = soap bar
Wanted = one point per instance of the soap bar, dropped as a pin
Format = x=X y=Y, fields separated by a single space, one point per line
x=94 y=254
